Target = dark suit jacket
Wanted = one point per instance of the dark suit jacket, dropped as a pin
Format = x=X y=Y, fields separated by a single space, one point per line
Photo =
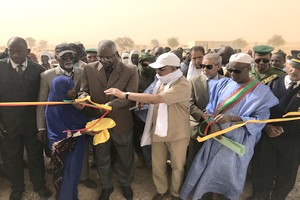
x=123 y=77
x=19 y=89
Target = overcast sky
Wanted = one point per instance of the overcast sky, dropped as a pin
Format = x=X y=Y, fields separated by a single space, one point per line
x=90 y=21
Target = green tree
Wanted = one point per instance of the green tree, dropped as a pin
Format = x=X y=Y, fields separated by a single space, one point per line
x=276 y=41
x=239 y=43
x=154 y=42
x=30 y=41
x=173 y=42
x=124 y=43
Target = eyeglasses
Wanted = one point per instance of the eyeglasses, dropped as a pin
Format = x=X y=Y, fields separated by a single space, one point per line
x=209 y=67
x=162 y=68
x=106 y=57
x=264 y=60
x=236 y=71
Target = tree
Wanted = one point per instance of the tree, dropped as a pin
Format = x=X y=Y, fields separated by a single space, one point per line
x=154 y=42
x=124 y=43
x=173 y=42
x=239 y=43
x=31 y=42
x=42 y=44
x=276 y=41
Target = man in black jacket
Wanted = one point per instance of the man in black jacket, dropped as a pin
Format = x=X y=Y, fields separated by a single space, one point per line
x=276 y=159
x=19 y=82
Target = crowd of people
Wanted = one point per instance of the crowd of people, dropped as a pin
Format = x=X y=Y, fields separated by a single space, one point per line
x=162 y=101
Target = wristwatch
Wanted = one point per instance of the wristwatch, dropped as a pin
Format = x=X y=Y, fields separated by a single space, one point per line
x=127 y=94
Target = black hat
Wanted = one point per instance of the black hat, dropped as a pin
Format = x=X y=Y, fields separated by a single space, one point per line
x=63 y=48
x=295 y=61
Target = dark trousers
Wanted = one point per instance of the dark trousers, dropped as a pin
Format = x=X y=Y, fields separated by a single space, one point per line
x=123 y=146
x=193 y=148
x=12 y=152
x=275 y=166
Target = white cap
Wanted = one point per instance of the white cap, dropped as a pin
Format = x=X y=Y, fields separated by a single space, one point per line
x=240 y=58
x=166 y=59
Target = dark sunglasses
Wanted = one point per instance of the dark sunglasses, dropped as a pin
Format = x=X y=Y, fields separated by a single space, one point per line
x=162 y=68
x=265 y=60
x=236 y=71
x=206 y=66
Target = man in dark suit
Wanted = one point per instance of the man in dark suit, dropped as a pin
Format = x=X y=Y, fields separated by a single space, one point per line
x=97 y=77
x=276 y=158
x=19 y=82
x=199 y=100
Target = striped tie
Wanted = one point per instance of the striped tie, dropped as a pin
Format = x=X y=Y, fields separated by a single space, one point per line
x=20 y=70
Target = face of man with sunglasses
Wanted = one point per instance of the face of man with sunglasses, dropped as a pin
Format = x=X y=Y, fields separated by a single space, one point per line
x=262 y=63
x=165 y=70
x=239 y=72
x=209 y=69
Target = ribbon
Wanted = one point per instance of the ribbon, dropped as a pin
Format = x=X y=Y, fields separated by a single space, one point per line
x=108 y=123
x=226 y=130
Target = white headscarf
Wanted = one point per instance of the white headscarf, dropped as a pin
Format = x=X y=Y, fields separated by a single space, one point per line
x=193 y=71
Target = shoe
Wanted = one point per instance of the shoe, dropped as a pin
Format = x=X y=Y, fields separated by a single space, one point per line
x=16 y=195
x=105 y=193
x=160 y=196
x=127 y=192
x=89 y=183
x=44 y=193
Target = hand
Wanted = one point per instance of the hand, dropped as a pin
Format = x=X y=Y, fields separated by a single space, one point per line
x=222 y=119
x=2 y=130
x=139 y=105
x=115 y=92
x=79 y=106
x=206 y=116
x=273 y=131
x=42 y=135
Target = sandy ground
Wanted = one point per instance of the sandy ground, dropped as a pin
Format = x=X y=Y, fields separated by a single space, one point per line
x=142 y=186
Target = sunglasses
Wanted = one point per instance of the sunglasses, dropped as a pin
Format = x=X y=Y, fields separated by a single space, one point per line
x=264 y=60
x=162 y=68
x=206 y=66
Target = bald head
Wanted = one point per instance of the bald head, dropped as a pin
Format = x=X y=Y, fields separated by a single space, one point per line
x=225 y=53
x=17 y=49
x=106 y=48
x=107 y=53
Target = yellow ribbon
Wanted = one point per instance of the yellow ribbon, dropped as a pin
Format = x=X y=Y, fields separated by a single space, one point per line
x=226 y=130
x=100 y=126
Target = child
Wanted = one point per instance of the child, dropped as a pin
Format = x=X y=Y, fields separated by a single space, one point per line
x=67 y=152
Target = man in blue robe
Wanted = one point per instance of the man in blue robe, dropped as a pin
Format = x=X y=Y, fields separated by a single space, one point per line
x=216 y=168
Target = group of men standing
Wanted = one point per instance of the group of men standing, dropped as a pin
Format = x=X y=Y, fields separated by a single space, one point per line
x=178 y=107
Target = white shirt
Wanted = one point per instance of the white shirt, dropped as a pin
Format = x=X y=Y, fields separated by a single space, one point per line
x=15 y=65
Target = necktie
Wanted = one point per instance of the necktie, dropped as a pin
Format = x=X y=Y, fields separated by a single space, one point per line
x=108 y=71
x=291 y=85
x=20 y=70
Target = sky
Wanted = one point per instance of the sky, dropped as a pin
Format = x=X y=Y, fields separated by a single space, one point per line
x=90 y=21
